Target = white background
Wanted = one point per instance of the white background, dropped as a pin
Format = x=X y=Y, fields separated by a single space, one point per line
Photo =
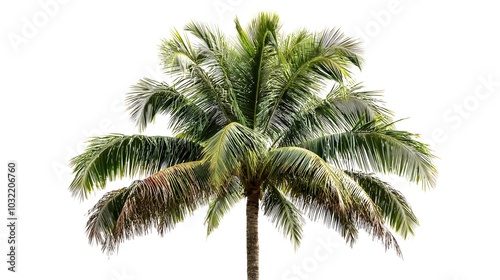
x=64 y=79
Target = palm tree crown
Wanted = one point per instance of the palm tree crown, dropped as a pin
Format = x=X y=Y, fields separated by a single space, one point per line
x=271 y=118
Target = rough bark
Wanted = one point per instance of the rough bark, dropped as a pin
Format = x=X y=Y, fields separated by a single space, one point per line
x=253 y=234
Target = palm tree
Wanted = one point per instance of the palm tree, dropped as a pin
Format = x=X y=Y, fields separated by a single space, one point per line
x=271 y=118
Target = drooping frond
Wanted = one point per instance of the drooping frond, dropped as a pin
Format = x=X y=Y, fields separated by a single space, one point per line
x=283 y=213
x=302 y=164
x=231 y=148
x=117 y=156
x=393 y=205
x=166 y=197
x=159 y=201
x=294 y=163
x=227 y=196
x=299 y=163
x=324 y=208
x=311 y=185
x=347 y=222
x=103 y=216
x=327 y=193
x=375 y=147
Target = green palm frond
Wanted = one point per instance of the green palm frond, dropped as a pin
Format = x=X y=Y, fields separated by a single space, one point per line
x=340 y=111
x=149 y=98
x=283 y=214
x=309 y=66
x=116 y=156
x=327 y=193
x=218 y=58
x=294 y=163
x=393 y=205
x=159 y=201
x=231 y=148
x=213 y=41
x=301 y=164
x=336 y=43
x=256 y=64
x=375 y=147
x=230 y=194
x=198 y=75
x=354 y=100
x=311 y=185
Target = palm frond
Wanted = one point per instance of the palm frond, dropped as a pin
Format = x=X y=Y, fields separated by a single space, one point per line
x=217 y=56
x=336 y=43
x=149 y=98
x=311 y=185
x=103 y=216
x=347 y=222
x=325 y=209
x=294 y=163
x=392 y=204
x=352 y=99
x=340 y=111
x=230 y=194
x=376 y=147
x=307 y=68
x=302 y=164
x=327 y=193
x=198 y=75
x=256 y=65
x=233 y=146
x=283 y=214
x=117 y=156
x=159 y=201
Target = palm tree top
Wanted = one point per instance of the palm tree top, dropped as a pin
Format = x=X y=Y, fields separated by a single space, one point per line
x=269 y=117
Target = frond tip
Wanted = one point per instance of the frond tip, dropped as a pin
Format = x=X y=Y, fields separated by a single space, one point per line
x=392 y=204
x=228 y=195
x=284 y=214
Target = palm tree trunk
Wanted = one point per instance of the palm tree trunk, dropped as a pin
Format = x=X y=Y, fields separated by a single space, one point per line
x=253 y=234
